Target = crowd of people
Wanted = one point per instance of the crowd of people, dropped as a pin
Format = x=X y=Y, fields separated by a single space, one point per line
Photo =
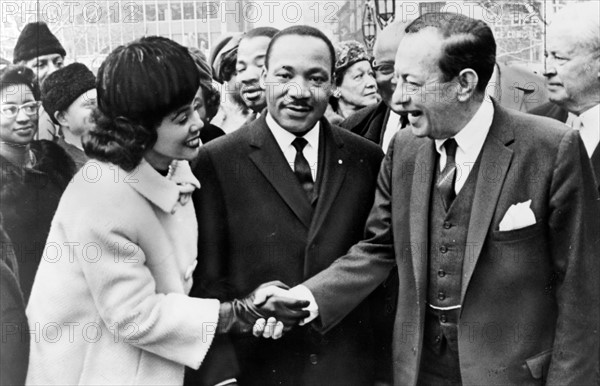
x=290 y=211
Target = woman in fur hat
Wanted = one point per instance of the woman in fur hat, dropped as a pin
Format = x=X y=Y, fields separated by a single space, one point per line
x=354 y=79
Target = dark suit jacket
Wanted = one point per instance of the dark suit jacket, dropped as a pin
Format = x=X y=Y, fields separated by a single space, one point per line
x=369 y=122
x=551 y=110
x=529 y=296
x=256 y=225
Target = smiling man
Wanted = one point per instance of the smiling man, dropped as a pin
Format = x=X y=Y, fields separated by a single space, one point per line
x=490 y=218
x=251 y=56
x=281 y=198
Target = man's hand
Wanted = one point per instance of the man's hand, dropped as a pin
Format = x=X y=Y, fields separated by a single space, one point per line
x=274 y=298
x=267 y=301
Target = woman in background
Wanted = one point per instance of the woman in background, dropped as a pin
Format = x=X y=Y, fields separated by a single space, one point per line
x=33 y=173
x=354 y=79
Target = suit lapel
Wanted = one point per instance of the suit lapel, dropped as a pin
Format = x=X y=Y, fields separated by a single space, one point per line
x=334 y=166
x=269 y=159
x=419 y=213
x=494 y=153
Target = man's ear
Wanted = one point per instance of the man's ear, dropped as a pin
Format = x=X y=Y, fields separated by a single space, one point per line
x=60 y=117
x=467 y=82
x=262 y=82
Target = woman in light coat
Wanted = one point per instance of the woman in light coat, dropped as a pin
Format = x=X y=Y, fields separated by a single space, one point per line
x=109 y=303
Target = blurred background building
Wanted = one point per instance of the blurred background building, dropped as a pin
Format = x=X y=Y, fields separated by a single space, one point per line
x=89 y=29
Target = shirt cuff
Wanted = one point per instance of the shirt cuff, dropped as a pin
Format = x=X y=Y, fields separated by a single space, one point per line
x=303 y=293
x=227 y=382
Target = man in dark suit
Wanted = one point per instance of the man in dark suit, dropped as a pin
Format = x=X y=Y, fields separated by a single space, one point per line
x=573 y=74
x=489 y=216
x=281 y=198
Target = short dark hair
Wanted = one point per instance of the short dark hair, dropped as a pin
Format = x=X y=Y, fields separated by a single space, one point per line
x=138 y=85
x=268 y=32
x=212 y=99
x=14 y=75
x=303 y=30
x=469 y=43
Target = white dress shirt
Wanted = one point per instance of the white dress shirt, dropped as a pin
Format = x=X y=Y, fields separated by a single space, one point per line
x=470 y=142
x=391 y=127
x=284 y=139
x=588 y=124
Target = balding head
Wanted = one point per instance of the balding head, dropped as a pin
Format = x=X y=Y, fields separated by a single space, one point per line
x=384 y=53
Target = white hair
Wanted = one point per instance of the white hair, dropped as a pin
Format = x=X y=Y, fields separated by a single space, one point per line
x=581 y=19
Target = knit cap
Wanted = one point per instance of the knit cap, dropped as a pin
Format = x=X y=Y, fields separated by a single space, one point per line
x=64 y=86
x=36 y=40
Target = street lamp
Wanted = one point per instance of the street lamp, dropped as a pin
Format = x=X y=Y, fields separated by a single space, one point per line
x=385 y=10
x=369 y=28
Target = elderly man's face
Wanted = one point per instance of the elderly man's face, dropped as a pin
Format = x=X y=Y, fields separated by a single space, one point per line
x=298 y=81
x=431 y=104
x=572 y=71
x=383 y=66
x=45 y=65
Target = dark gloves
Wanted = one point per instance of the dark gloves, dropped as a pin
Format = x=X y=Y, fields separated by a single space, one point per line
x=238 y=316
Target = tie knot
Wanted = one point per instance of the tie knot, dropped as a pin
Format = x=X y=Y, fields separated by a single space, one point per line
x=299 y=144
x=450 y=145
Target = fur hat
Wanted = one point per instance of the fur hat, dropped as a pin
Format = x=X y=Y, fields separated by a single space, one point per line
x=347 y=53
x=36 y=40
x=64 y=86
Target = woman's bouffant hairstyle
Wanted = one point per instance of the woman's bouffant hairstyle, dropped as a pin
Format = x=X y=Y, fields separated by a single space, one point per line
x=15 y=75
x=138 y=85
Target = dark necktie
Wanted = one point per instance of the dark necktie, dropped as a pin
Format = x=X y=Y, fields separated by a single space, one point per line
x=302 y=168
x=445 y=183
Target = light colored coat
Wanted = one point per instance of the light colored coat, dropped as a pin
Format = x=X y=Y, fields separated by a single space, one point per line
x=109 y=303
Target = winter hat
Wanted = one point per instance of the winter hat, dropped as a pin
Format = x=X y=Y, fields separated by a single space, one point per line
x=36 y=40
x=347 y=53
x=62 y=87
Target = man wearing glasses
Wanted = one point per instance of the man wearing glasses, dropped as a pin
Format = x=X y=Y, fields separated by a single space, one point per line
x=378 y=123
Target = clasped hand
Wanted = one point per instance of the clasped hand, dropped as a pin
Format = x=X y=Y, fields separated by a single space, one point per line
x=268 y=311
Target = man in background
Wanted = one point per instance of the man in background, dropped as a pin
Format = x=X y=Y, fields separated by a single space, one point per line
x=573 y=74
x=251 y=56
x=38 y=49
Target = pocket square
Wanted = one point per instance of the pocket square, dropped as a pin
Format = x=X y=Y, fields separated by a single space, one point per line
x=517 y=216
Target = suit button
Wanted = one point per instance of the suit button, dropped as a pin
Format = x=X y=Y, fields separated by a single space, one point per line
x=441 y=295
x=447 y=225
x=443 y=318
x=414 y=350
x=313 y=359
x=441 y=273
x=443 y=249
x=438 y=339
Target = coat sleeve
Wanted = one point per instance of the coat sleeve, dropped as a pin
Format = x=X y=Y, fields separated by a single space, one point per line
x=172 y=325
x=574 y=226
x=211 y=272
x=351 y=278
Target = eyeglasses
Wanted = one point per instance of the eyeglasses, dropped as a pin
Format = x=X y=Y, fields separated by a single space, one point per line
x=383 y=68
x=10 y=111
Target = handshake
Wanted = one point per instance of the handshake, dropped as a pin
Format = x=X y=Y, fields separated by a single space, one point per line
x=268 y=311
